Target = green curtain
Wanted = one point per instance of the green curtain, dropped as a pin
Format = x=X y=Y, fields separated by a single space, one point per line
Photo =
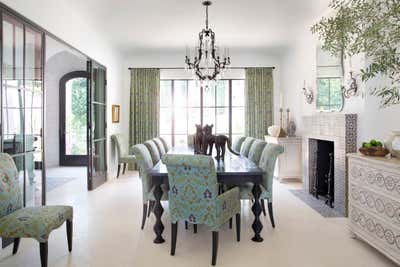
x=145 y=105
x=258 y=101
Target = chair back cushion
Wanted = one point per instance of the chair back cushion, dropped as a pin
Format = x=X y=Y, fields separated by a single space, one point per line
x=160 y=146
x=10 y=192
x=193 y=188
x=256 y=150
x=166 y=147
x=143 y=159
x=121 y=145
x=245 y=149
x=267 y=164
x=152 y=147
x=237 y=143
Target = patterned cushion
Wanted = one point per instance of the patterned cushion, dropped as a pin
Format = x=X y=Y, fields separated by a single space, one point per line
x=193 y=194
x=160 y=146
x=166 y=148
x=237 y=144
x=245 y=149
x=152 y=147
x=34 y=222
x=10 y=192
x=255 y=150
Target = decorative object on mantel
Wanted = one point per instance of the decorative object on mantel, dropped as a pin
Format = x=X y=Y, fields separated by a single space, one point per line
x=308 y=93
x=373 y=148
x=290 y=125
x=393 y=144
x=274 y=130
x=207 y=54
x=352 y=89
x=361 y=27
x=115 y=112
x=282 y=132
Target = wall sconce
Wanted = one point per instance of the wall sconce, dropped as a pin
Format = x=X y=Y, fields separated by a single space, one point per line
x=353 y=88
x=309 y=94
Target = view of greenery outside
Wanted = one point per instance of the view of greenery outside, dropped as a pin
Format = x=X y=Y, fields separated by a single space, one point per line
x=76 y=117
x=329 y=95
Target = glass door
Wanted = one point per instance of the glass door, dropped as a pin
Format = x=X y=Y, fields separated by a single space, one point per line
x=97 y=126
x=22 y=104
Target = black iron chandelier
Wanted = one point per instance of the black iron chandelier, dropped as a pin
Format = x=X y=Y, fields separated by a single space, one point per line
x=207 y=65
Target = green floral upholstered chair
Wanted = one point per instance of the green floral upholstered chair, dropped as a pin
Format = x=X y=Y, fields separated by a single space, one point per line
x=256 y=150
x=245 y=149
x=237 y=143
x=160 y=146
x=122 y=147
x=166 y=147
x=193 y=196
x=17 y=222
x=152 y=147
x=267 y=164
x=143 y=159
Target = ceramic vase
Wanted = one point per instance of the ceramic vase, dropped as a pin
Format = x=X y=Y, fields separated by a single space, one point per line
x=393 y=144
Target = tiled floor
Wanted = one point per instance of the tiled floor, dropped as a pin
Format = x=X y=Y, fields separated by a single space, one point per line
x=107 y=233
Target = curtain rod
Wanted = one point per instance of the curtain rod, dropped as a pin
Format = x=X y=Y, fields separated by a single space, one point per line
x=181 y=68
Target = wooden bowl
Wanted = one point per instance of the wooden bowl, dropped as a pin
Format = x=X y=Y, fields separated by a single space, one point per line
x=374 y=151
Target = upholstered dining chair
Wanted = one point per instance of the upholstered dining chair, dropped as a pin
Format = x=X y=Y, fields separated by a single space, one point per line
x=166 y=147
x=245 y=149
x=123 y=156
x=256 y=150
x=237 y=143
x=193 y=197
x=17 y=222
x=160 y=146
x=152 y=147
x=145 y=162
x=267 y=164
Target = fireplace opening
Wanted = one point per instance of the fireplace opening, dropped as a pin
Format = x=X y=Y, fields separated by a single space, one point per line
x=323 y=184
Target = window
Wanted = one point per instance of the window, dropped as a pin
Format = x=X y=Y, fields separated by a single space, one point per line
x=329 y=82
x=184 y=103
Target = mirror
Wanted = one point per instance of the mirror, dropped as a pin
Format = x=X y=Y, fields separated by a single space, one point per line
x=329 y=82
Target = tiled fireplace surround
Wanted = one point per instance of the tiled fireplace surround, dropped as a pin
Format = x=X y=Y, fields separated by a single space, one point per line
x=340 y=129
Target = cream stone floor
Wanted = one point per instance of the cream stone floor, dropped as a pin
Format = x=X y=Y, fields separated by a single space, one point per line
x=107 y=233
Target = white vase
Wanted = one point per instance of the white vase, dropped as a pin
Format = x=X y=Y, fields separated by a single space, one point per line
x=393 y=144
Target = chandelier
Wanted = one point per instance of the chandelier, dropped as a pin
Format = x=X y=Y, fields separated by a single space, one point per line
x=207 y=65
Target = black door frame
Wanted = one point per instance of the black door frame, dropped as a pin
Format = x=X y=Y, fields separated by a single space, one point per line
x=70 y=160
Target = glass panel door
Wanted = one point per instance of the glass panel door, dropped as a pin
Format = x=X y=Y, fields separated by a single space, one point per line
x=97 y=126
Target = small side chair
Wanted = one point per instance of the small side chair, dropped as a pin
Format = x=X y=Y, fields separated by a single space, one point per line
x=17 y=222
x=193 y=197
x=122 y=147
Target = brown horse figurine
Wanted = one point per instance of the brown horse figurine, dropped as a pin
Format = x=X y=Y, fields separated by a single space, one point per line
x=208 y=140
x=220 y=141
x=198 y=139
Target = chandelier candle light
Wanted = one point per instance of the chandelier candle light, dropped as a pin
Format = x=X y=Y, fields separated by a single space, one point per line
x=207 y=65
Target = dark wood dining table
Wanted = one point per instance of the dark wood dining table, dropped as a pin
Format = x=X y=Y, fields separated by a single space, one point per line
x=234 y=170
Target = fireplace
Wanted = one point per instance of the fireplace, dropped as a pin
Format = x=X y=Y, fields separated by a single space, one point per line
x=326 y=134
x=322 y=181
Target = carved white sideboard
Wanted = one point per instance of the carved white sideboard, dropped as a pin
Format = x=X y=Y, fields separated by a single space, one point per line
x=374 y=202
x=289 y=163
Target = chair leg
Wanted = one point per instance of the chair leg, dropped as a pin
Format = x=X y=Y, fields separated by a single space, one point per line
x=174 y=231
x=69 y=234
x=144 y=214
x=238 y=227
x=271 y=214
x=119 y=169
x=214 y=247
x=186 y=225
x=43 y=253
x=16 y=245
x=230 y=223
x=123 y=172
x=263 y=207
x=195 y=228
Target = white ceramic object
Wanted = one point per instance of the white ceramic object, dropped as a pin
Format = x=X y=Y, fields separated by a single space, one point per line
x=274 y=130
x=393 y=144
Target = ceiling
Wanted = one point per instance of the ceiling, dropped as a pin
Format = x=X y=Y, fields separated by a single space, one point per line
x=174 y=24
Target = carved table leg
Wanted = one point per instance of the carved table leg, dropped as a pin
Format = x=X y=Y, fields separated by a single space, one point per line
x=158 y=211
x=257 y=225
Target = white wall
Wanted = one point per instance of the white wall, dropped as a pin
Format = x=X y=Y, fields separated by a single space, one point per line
x=299 y=64
x=60 y=18
x=175 y=59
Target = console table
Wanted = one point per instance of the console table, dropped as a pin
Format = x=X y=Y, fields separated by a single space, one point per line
x=374 y=202
x=289 y=163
